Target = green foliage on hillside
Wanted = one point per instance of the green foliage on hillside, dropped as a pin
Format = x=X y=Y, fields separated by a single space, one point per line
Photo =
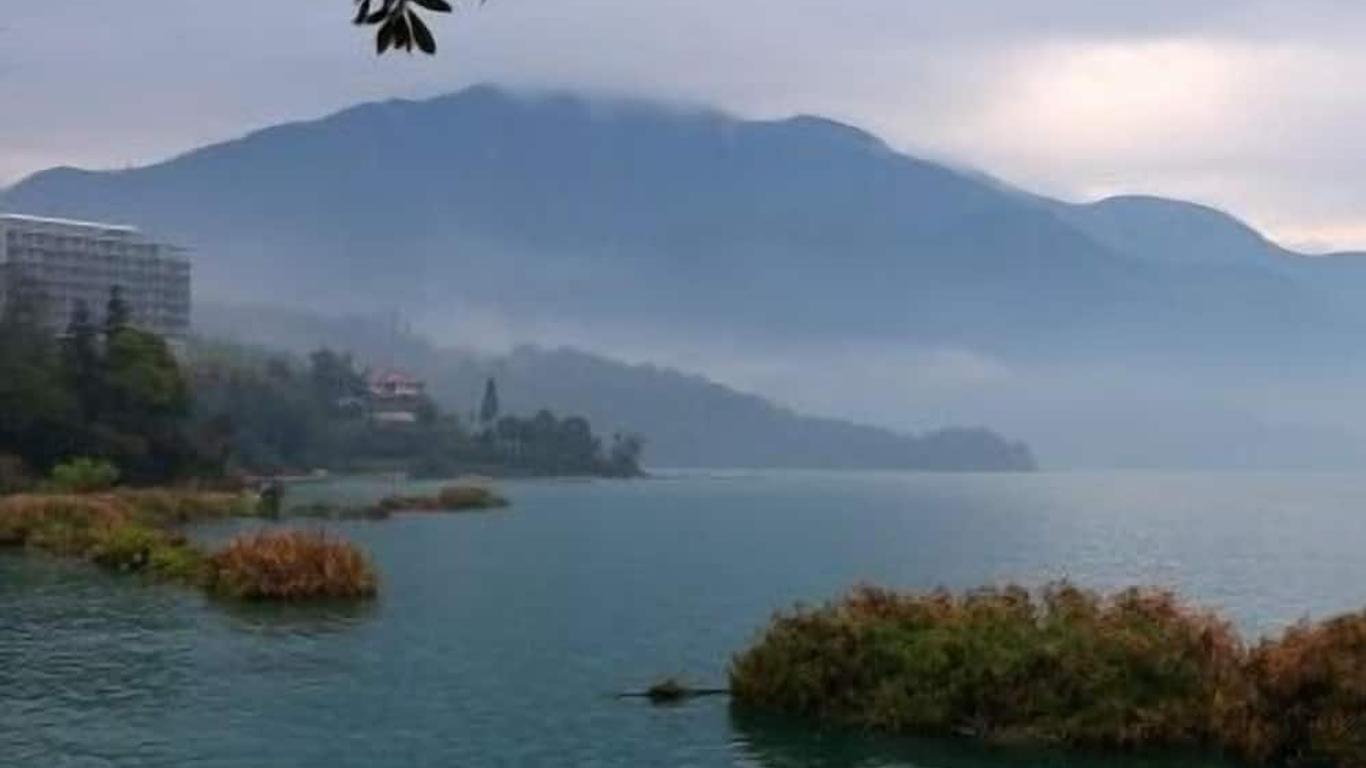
x=286 y=416
x=118 y=397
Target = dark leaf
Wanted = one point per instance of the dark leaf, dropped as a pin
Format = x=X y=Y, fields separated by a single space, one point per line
x=361 y=12
x=435 y=5
x=378 y=16
x=403 y=36
x=421 y=35
x=384 y=38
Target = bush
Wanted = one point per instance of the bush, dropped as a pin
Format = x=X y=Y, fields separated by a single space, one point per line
x=452 y=498
x=183 y=563
x=133 y=531
x=136 y=548
x=458 y=497
x=1309 y=696
x=84 y=475
x=1067 y=667
x=125 y=547
x=290 y=565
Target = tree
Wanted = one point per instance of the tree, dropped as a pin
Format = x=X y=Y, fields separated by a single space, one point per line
x=146 y=402
x=488 y=408
x=81 y=359
x=509 y=432
x=335 y=378
x=117 y=315
x=624 y=458
x=39 y=419
x=26 y=302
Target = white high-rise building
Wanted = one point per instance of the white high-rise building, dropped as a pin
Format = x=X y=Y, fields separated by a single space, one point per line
x=60 y=264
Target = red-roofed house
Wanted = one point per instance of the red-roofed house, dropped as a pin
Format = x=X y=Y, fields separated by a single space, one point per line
x=395 y=397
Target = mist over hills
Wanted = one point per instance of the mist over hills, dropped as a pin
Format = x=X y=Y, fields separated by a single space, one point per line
x=762 y=251
x=688 y=420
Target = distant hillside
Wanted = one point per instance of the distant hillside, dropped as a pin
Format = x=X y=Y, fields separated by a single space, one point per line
x=687 y=420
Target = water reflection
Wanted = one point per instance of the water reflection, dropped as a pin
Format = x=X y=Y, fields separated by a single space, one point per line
x=772 y=742
x=298 y=620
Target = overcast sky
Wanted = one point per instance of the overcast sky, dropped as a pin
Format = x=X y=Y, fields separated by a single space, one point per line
x=1255 y=106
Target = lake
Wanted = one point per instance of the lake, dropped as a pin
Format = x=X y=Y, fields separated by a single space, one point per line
x=500 y=638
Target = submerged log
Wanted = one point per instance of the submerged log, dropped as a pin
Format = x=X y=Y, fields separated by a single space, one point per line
x=671 y=690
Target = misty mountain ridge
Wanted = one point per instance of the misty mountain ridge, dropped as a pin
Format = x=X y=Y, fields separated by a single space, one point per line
x=524 y=203
x=611 y=225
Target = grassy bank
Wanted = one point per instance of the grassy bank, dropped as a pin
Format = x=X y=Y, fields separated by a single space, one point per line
x=136 y=531
x=1137 y=669
x=69 y=523
x=452 y=498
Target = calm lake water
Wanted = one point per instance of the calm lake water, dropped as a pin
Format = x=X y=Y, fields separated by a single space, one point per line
x=500 y=638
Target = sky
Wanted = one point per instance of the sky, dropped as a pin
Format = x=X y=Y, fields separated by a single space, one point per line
x=1257 y=107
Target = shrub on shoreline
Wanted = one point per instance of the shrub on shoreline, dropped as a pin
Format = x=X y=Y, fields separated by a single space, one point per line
x=84 y=475
x=136 y=548
x=290 y=565
x=452 y=498
x=1308 y=702
x=134 y=531
x=1067 y=667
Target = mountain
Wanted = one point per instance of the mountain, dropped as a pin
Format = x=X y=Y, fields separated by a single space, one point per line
x=799 y=257
x=688 y=420
x=556 y=209
x=1175 y=232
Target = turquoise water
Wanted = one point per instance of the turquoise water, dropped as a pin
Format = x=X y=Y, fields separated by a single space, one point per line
x=500 y=638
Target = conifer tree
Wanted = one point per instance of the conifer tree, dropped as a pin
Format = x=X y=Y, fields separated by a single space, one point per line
x=488 y=409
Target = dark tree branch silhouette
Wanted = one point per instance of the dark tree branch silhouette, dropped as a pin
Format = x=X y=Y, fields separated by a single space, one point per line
x=399 y=24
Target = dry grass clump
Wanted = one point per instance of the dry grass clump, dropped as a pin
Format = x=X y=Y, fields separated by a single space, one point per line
x=57 y=522
x=1068 y=666
x=290 y=565
x=452 y=498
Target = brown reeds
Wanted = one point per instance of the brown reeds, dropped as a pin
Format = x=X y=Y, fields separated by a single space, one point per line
x=134 y=531
x=1136 y=669
x=290 y=565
